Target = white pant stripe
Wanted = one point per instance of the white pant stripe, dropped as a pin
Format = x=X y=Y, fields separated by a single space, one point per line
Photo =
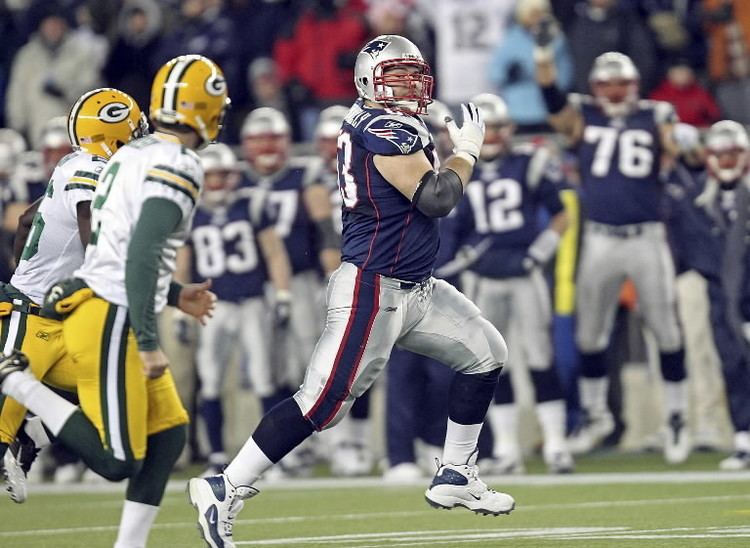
x=113 y=365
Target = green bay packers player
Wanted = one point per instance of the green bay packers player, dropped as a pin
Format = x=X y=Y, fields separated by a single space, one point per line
x=131 y=423
x=58 y=228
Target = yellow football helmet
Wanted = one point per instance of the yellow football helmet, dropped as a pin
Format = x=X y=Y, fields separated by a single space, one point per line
x=103 y=120
x=190 y=90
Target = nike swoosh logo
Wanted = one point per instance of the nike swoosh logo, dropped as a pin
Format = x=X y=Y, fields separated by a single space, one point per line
x=475 y=497
x=212 y=515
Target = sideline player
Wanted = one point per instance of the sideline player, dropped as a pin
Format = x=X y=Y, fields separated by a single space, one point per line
x=622 y=144
x=511 y=184
x=58 y=226
x=233 y=244
x=711 y=231
x=131 y=423
x=383 y=293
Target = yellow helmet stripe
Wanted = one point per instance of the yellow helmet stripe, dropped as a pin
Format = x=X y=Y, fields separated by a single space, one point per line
x=172 y=84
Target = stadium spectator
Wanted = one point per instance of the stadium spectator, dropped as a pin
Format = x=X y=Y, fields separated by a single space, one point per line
x=693 y=102
x=131 y=61
x=49 y=73
x=728 y=27
x=603 y=26
x=512 y=67
x=316 y=59
x=465 y=33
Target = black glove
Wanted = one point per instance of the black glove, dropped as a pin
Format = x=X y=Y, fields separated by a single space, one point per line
x=545 y=31
x=282 y=309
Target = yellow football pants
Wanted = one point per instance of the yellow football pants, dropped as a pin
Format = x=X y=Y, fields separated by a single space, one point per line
x=123 y=404
x=41 y=339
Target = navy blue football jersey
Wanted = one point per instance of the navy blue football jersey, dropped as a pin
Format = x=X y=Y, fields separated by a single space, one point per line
x=619 y=161
x=505 y=201
x=286 y=207
x=225 y=249
x=383 y=231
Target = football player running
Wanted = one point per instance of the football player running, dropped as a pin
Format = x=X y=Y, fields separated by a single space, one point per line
x=232 y=243
x=58 y=226
x=131 y=423
x=622 y=144
x=511 y=185
x=383 y=294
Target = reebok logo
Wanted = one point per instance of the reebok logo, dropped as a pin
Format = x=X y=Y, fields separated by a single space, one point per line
x=42 y=335
x=390 y=308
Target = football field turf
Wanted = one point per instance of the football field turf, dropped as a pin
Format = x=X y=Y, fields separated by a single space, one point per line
x=643 y=505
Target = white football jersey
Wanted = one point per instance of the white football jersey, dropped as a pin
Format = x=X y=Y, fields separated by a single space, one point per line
x=53 y=249
x=466 y=32
x=157 y=166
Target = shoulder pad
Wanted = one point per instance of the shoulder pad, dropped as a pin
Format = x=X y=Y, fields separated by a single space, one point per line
x=394 y=134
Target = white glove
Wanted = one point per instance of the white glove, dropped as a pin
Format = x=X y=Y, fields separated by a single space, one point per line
x=468 y=139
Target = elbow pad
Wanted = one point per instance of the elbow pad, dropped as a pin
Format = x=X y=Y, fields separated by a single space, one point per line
x=328 y=238
x=438 y=193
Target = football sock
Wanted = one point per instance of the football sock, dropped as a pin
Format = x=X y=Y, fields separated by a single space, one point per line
x=504 y=422
x=40 y=400
x=214 y=420
x=83 y=438
x=3 y=449
x=742 y=441
x=673 y=365
x=248 y=465
x=135 y=524
x=546 y=384
x=460 y=442
x=280 y=430
x=675 y=397
x=551 y=416
x=163 y=449
x=594 y=395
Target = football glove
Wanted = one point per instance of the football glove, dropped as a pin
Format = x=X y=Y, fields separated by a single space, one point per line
x=467 y=140
x=282 y=309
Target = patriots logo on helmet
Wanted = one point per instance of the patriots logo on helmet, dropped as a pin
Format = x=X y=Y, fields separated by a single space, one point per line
x=375 y=47
x=403 y=139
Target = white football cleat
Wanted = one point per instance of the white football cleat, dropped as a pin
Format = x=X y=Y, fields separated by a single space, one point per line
x=218 y=502
x=559 y=462
x=739 y=460
x=459 y=485
x=503 y=465
x=351 y=459
x=677 y=445
x=14 y=476
x=403 y=473
x=591 y=433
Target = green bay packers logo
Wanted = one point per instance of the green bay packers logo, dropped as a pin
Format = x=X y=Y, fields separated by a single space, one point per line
x=114 y=112
x=216 y=85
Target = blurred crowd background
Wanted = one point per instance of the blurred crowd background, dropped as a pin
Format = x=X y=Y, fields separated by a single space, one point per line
x=297 y=56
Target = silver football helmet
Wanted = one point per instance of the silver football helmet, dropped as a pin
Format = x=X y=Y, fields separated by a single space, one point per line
x=728 y=151
x=614 y=68
x=329 y=122
x=410 y=91
x=220 y=167
x=499 y=127
x=266 y=139
x=437 y=112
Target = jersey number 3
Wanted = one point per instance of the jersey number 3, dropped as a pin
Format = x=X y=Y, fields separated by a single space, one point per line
x=347 y=185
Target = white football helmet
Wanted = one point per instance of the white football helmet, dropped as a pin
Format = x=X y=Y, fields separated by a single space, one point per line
x=728 y=151
x=221 y=173
x=55 y=142
x=410 y=91
x=499 y=127
x=614 y=81
x=266 y=140
x=327 y=133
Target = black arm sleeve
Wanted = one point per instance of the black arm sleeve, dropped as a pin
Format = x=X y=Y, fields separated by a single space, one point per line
x=159 y=218
x=438 y=193
x=554 y=99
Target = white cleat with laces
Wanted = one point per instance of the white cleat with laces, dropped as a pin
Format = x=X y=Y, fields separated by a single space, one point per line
x=218 y=502
x=459 y=485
